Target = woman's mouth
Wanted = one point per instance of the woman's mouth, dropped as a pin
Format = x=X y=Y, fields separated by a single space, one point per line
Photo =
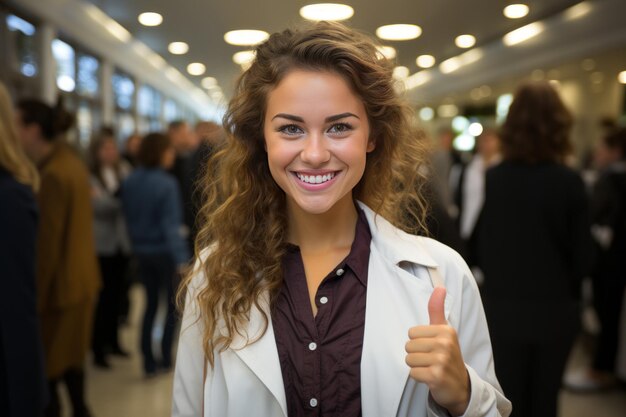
x=315 y=179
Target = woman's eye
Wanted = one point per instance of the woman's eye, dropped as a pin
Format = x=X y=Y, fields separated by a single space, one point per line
x=290 y=129
x=340 y=128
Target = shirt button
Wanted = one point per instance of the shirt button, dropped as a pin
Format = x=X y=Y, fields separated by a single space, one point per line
x=313 y=402
x=340 y=272
x=312 y=346
x=323 y=300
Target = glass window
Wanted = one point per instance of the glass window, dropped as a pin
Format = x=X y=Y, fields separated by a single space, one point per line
x=84 y=121
x=64 y=56
x=123 y=90
x=125 y=125
x=23 y=34
x=149 y=102
x=88 y=84
x=171 y=110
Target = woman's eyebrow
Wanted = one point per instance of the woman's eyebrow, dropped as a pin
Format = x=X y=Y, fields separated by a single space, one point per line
x=289 y=117
x=327 y=120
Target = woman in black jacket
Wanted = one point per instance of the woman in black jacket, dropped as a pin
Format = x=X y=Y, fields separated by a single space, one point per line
x=533 y=247
x=22 y=381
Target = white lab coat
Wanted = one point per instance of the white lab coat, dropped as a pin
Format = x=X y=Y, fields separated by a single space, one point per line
x=247 y=381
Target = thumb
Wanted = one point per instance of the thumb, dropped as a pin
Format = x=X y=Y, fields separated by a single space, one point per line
x=436 y=306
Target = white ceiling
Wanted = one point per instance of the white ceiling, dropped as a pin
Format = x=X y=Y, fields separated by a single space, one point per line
x=202 y=24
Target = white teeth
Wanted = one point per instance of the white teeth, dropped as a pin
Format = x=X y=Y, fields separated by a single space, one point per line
x=316 y=179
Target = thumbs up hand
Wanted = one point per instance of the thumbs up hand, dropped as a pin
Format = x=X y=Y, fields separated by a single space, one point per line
x=435 y=358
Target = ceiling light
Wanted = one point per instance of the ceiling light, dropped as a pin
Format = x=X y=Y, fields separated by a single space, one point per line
x=447 y=110
x=386 y=52
x=454 y=63
x=417 y=79
x=596 y=77
x=326 y=11
x=209 y=82
x=515 y=11
x=178 y=48
x=475 y=129
x=465 y=41
x=150 y=19
x=425 y=61
x=522 y=34
x=427 y=113
x=621 y=77
x=588 y=64
x=196 y=68
x=578 y=10
x=400 y=32
x=401 y=72
x=245 y=37
x=244 y=57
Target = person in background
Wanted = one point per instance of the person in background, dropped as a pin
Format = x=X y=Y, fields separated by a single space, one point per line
x=68 y=278
x=210 y=136
x=304 y=300
x=185 y=143
x=608 y=216
x=22 y=377
x=112 y=243
x=131 y=149
x=447 y=166
x=534 y=248
x=151 y=204
x=472 y=189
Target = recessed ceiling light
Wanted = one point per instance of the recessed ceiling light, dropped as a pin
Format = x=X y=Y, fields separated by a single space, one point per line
x=243 y=57
x=401 y=72
x=386 y=52
x=150 y=19
x=326 y=11
x=426 y=113
x=400 y=32
x=425 y=61
x=621 y=77
x=178 y=48
x=196 y=68
x=465 y=41
x=245 y=37
x=578 y=10
x=588 y=64
x=522 y=34
x=515 y=11
x=209 y=82
x=596 y=77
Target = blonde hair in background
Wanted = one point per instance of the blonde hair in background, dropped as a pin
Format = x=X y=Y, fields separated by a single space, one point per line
x=243 y=219
x=12 y=156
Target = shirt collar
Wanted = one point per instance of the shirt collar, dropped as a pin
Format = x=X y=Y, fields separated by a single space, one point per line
x=394 y=244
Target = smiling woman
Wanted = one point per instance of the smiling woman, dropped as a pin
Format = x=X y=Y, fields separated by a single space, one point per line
x=306 y=282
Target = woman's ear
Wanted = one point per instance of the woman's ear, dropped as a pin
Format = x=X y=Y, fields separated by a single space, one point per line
x=371 y=145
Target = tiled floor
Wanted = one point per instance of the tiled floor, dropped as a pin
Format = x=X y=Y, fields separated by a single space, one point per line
x=123 y=392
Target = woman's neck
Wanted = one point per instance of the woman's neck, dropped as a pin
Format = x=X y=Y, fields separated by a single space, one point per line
x=322 y=232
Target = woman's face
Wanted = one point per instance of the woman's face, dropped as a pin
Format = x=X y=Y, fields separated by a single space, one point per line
x=317 y=137
x=108 y=153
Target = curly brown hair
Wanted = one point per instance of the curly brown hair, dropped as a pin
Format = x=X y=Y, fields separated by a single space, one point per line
x=244 y=214
x=537 y=126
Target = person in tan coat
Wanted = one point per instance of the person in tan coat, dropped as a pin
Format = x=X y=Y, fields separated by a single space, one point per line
x=68 y=278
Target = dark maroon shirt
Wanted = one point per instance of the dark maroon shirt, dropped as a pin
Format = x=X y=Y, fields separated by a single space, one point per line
x=320 y=357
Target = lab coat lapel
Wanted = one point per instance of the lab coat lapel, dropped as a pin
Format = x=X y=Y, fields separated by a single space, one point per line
x=393 y=306
x=262 y=355
x=396 y=301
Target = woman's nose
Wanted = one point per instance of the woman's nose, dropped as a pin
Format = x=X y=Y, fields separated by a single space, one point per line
x=315 y=151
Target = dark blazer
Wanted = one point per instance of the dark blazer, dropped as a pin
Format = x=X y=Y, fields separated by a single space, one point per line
x=534 y=246
x=22 y=382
